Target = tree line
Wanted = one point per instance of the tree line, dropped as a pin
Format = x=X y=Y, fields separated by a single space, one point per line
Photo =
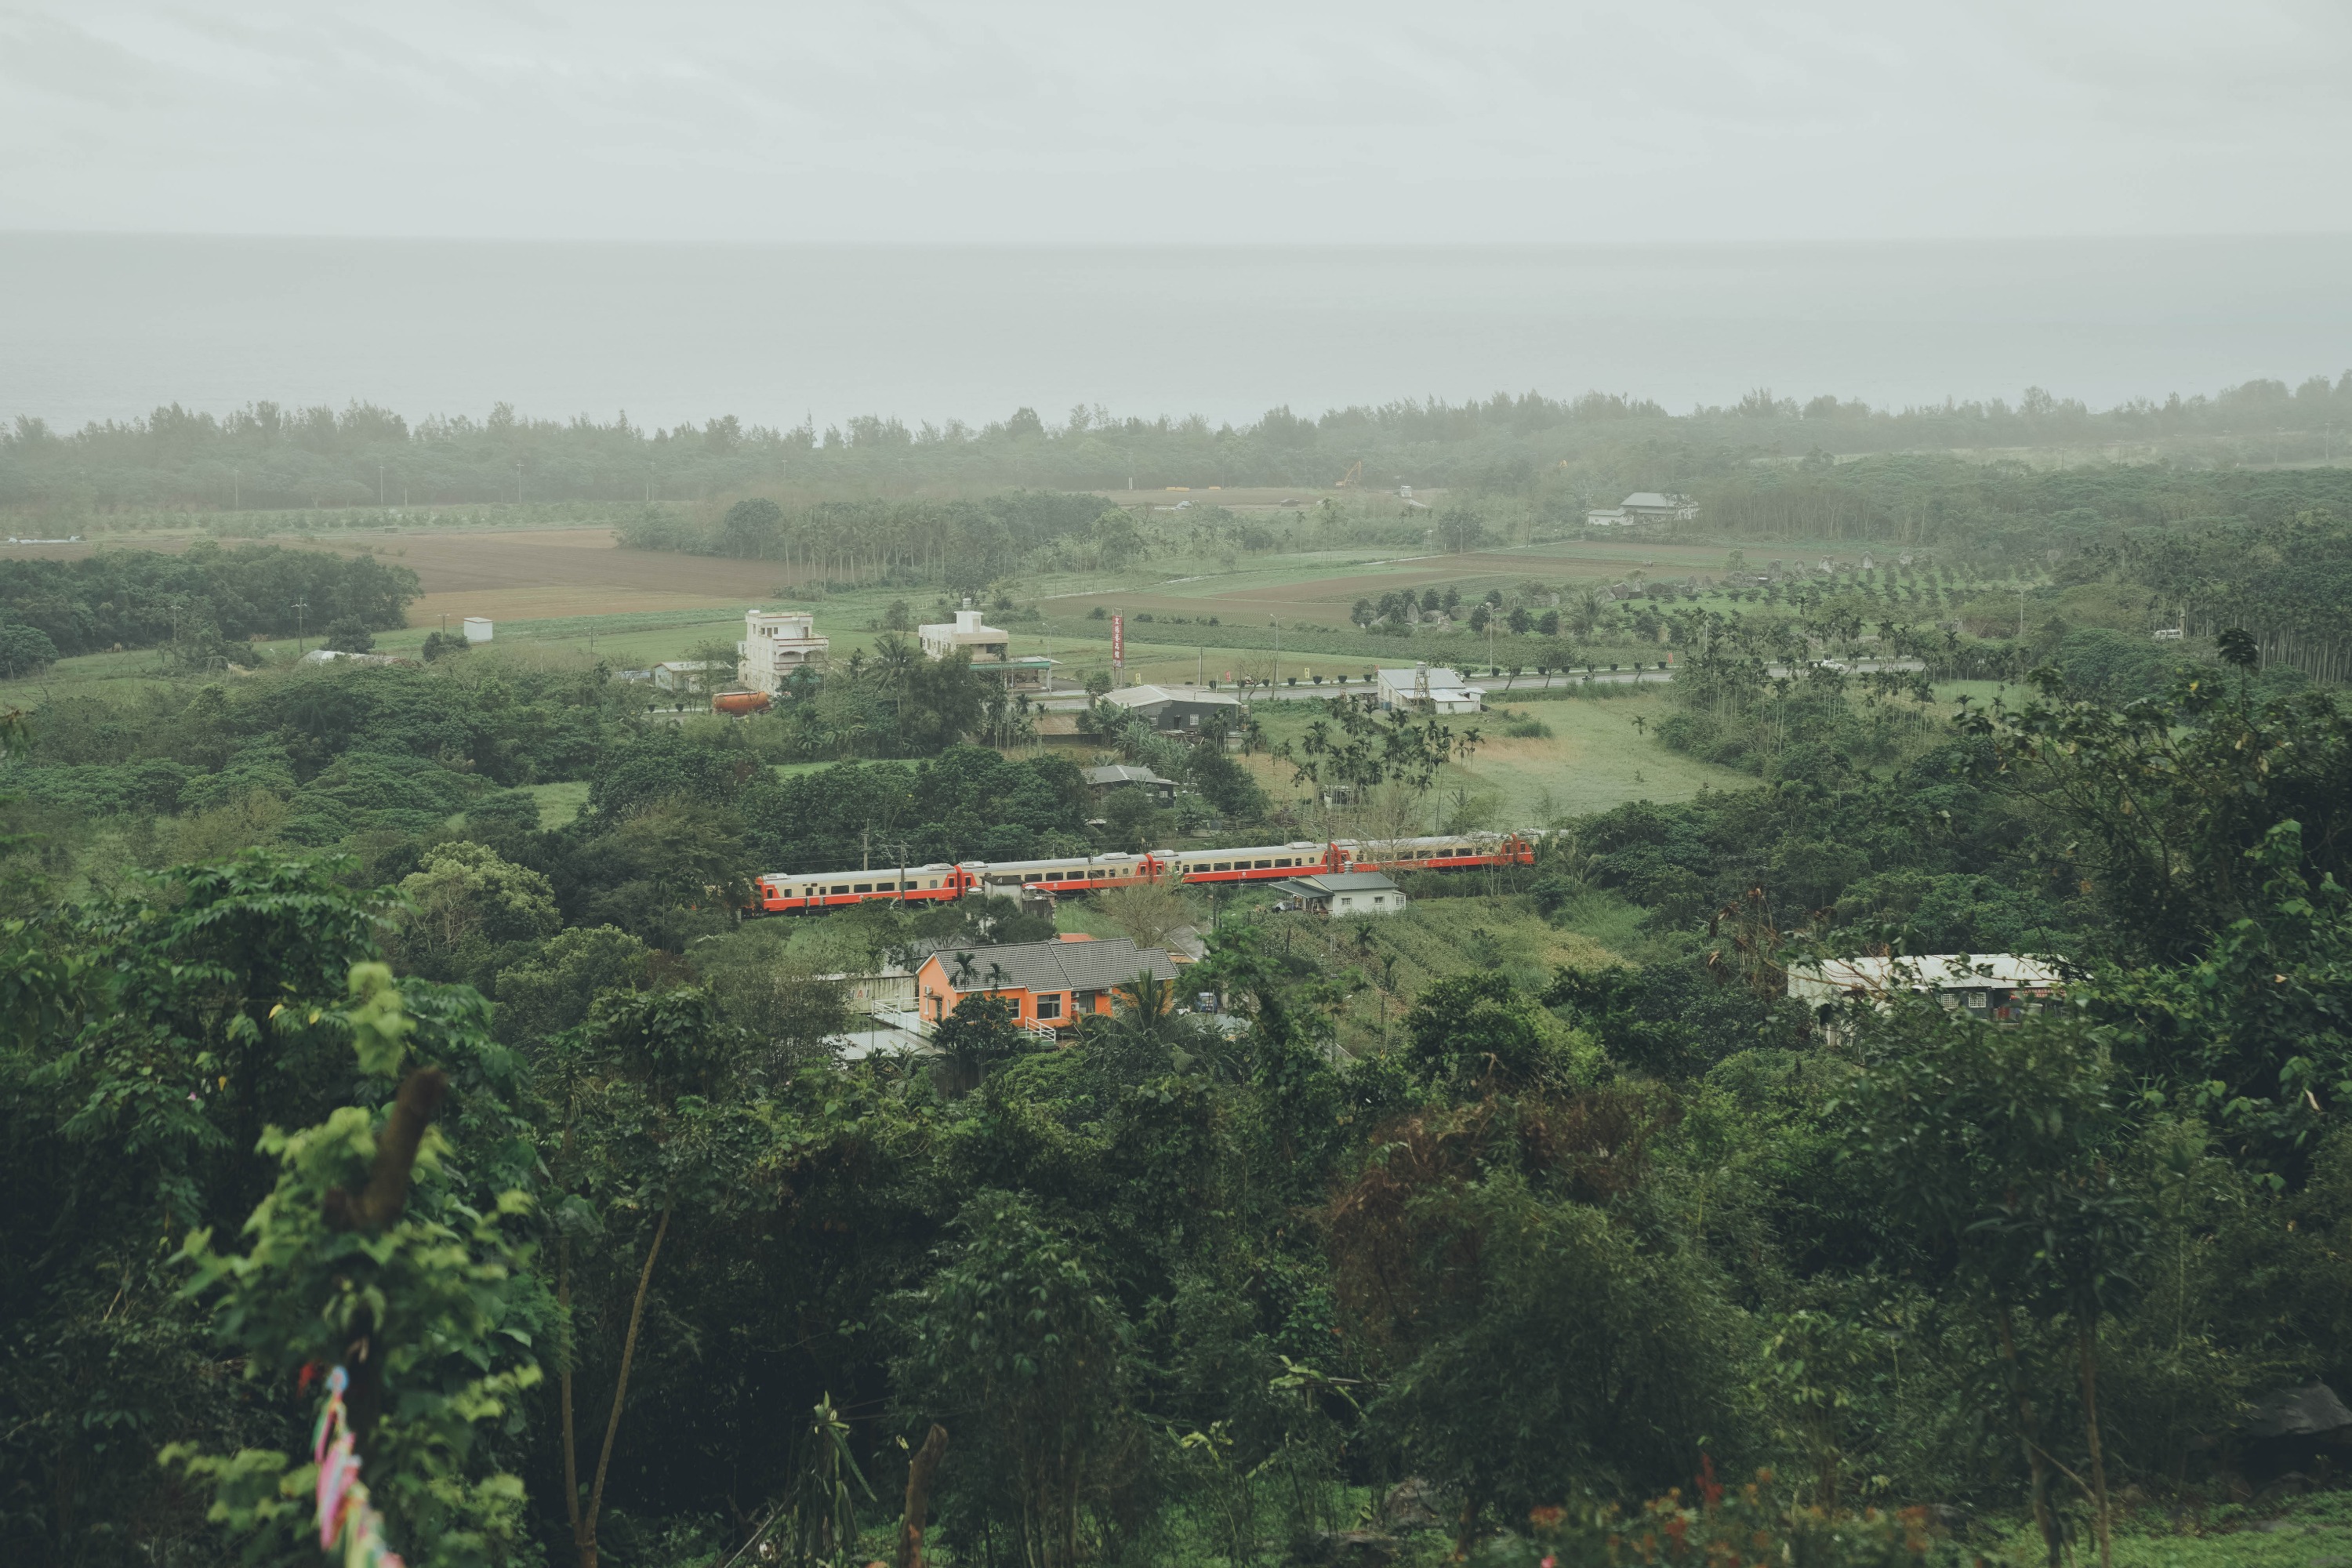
x=203 y=597
x=267 y=456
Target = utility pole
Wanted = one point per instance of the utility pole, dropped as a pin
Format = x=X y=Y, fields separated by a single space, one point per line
x=1277 y=653
x=378 y=484
x=300 y=606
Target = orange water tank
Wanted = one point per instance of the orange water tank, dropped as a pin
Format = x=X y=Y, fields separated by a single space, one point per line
x=740 y=702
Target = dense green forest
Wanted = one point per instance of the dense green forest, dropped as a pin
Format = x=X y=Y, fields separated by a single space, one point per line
x=202 y=600
x=326 y=1043
x=266 y=457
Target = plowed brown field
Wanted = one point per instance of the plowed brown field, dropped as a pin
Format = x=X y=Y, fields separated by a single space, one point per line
x=528 y=574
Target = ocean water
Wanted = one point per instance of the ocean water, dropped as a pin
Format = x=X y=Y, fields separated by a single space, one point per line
x=97 y=327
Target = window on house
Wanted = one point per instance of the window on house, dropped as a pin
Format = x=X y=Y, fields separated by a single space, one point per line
x=1049 y=1007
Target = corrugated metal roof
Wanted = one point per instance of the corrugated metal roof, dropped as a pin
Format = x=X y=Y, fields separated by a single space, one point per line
x=1144 y=696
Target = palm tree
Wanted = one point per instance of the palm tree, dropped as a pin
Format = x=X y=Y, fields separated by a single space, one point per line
x=893 y=669
x=966 y=970
x=997 y=976
x=1148 y=1036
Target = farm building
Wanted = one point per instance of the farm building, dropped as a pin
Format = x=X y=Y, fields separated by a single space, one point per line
x=1175 y=707
x=1640 y=506
x=1424 y=689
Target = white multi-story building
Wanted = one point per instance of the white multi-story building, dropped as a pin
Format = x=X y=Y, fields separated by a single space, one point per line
x=775 y=644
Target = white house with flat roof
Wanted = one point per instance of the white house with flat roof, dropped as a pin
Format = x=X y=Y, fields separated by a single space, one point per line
x=776 y=642
x=988 y=648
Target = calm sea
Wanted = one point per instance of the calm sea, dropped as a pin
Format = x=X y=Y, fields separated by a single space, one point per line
x=96 y=327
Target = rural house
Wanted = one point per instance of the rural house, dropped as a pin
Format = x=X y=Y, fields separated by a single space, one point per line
x=1345 y=893
x=1104 y=781
x=988 y=648
x=1054 y=982
x=776 y=644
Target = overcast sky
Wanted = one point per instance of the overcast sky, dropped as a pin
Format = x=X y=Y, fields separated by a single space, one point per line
x=1014 y=120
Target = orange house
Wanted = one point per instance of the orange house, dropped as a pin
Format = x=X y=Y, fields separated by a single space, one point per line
x=1053 y=983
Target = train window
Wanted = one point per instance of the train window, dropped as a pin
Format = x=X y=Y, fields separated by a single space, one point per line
x=1097 y=876
x=863 y=888
x=1265 y=865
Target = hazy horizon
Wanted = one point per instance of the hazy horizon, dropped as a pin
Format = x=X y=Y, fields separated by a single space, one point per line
x=103 y=326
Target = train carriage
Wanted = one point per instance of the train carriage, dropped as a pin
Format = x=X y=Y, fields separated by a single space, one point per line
x=786 y=892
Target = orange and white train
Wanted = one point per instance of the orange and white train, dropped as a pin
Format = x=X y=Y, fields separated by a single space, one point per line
x=794 y=892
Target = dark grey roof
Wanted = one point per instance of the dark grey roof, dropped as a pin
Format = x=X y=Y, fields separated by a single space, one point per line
x=1096 y=966
x=1348 y=882
x=2298 y=1412
x=1119 y=774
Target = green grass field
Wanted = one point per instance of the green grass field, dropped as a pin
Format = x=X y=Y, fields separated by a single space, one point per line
x=1599 y=755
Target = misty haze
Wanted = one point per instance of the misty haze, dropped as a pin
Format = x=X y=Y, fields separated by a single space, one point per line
x=1293 y=786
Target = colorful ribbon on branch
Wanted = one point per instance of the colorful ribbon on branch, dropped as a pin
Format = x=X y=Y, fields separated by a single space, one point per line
x=345 y=1514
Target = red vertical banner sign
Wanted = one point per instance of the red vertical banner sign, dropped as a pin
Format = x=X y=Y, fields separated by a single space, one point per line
x=1119 y=643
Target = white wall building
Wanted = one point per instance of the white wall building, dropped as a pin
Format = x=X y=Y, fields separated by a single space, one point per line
x=989 y=648
x=478 y=628
x=775 y=644
x=1424 y=689
x=1346 y=893
x=1991 y=987
x=687 y=676
x=1642 y=506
